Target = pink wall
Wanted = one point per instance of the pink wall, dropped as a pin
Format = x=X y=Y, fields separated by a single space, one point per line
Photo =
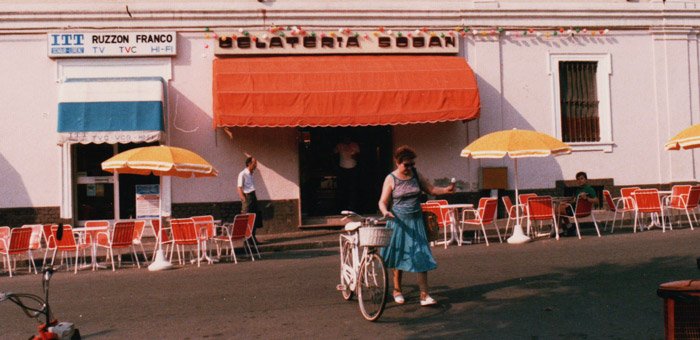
x=191 y=127
x=29 y=156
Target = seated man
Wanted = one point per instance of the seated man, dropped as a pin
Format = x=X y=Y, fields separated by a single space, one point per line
x=583 y=190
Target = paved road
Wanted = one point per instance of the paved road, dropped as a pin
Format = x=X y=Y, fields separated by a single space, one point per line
x=592 y=288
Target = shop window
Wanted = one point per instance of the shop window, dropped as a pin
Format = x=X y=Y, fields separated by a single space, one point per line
x=582 y=100
x=579 y=101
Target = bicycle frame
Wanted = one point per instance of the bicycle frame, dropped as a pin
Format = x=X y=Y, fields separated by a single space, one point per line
x=350 y=271
x=362 y=272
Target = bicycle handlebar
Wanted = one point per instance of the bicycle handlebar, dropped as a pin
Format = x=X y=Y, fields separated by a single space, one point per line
x=29 y=311
x=365 y=220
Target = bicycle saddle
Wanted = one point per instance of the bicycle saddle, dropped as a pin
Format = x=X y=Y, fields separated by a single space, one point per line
x=352 y=226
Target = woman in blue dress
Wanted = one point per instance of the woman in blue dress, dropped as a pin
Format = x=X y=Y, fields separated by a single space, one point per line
x=408 y=250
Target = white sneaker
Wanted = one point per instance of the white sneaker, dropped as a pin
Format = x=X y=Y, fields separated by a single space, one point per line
x=428 y=301
x=398 y=298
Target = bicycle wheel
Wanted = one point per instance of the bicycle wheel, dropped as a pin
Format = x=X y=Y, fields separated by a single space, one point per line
x=345 y=272
x=372 y=287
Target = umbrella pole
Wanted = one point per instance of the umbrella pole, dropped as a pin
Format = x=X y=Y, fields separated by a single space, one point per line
x=518 y=236
x=160 y=263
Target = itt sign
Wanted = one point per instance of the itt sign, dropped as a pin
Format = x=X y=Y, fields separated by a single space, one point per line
x=111 y=44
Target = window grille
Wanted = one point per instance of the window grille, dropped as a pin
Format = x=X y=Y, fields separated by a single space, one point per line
x=579 y=101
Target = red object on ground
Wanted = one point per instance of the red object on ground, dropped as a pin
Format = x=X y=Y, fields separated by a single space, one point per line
x=681 y=309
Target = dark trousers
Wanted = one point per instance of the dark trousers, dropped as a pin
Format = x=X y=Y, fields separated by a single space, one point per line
x=348 y=189
x=251 y=206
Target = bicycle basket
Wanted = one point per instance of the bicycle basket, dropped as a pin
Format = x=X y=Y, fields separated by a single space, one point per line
x=374 y=236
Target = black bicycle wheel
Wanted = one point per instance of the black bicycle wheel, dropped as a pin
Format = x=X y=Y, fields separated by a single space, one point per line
x=372 y=287
x=345 y=273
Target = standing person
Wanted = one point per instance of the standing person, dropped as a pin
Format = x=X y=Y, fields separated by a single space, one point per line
x=408 y=249
x=246 y=191
x=348 y=174
x=583 y=190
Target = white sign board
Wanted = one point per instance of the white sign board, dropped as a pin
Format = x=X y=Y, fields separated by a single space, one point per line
x=111 y=44
x=147 y=201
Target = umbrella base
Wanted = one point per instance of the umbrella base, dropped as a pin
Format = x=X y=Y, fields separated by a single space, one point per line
x=518 y=236
x=160 y=262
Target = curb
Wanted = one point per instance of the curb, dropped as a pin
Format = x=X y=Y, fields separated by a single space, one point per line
x=272 y=248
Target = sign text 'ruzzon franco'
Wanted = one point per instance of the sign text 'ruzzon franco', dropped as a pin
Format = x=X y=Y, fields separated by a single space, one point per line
x=365 y=43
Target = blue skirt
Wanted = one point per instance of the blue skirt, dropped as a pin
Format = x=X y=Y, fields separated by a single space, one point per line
x=408 y=249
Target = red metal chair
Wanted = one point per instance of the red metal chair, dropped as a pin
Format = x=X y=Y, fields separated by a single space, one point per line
x=238 y=230
x=17 y=245
x=5 y=232
x=122 y=237
x=249 y=233
x=49 y=240
x=185 y=234
x=484 y=215
x=67 y=243
x=615 y=205
x=35 y=239
x=540 y=209
x=647 y=201
x=512 y=213
x=442 y=217
x=684 y=200
x=623 y=204
x=582 y=209
x=522 y=199
x=205 y=223
x=166 y=241
x=139 y=227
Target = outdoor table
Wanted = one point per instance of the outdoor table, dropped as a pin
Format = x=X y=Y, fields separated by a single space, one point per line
x=202 y=230
x=92 y=231
x=562 y=199
x=558 y=200
x=455 y=208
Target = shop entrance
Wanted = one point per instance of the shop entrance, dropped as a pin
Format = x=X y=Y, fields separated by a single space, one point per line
x=326 y=188
x=94 y=191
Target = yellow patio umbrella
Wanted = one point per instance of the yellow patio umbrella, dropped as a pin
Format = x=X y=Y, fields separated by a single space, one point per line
x=686 y=139
x=160 y=161
x=516 y=144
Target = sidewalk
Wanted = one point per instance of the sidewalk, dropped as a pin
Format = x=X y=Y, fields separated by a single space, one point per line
x=307 y=239
x=313 y=239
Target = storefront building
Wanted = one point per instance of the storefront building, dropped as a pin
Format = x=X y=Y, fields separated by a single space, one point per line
x=286 y=83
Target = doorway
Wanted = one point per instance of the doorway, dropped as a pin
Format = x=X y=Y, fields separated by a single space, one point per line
x=95 y=189
x=320 y=170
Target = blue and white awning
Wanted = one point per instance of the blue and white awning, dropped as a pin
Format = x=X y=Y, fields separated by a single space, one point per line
x=110 y=111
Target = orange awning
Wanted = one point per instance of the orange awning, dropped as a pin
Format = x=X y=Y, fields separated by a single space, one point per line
x=343 y=91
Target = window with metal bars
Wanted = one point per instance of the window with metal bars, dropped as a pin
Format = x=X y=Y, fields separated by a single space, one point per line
x=579 y=101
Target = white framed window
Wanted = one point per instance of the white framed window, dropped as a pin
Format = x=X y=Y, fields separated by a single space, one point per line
x=581 y=100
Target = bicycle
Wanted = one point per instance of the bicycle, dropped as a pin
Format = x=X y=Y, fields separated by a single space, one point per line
x=362 y=271
x=51 y=328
